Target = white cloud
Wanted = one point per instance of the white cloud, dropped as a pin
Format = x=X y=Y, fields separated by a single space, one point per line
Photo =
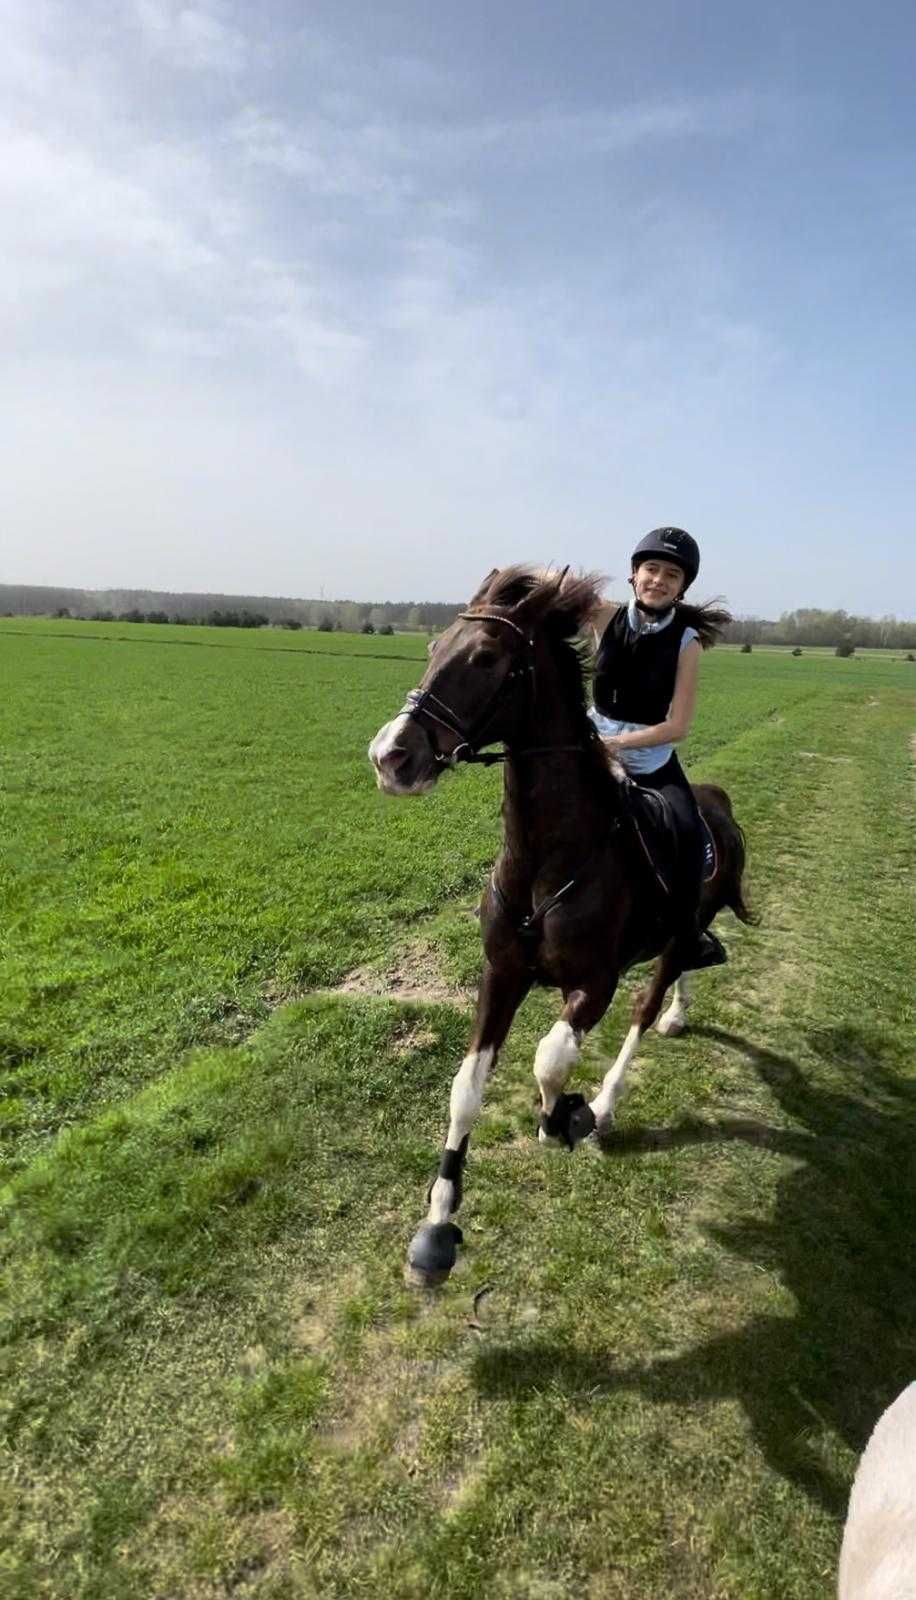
x=350 y=152
x=201 y=38
x=280 y=301
x=365 y=162
x=61 y=200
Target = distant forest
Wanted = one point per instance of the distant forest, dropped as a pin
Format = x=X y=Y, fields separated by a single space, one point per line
x=221 y=610
x=794 y=628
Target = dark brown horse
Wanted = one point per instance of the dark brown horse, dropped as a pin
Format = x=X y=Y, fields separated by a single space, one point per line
x=571 y=902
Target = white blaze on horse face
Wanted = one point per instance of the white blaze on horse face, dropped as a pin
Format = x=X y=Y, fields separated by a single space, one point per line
x=612 y=1086
x=554 y=1059
x=384 y=742
x=381 y=751
x=464 y=1105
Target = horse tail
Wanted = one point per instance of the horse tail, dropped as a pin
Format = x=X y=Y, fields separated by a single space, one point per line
x=732 y=850
x=734 y=892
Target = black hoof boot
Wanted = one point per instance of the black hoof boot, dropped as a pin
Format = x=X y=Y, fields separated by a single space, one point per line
x=571 y=1119
x=581 y=1124
x=432 y=1253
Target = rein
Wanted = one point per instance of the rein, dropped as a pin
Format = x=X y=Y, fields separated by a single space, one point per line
x=420 y=703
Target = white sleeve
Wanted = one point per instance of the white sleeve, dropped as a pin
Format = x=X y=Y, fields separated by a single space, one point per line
x=689 y=633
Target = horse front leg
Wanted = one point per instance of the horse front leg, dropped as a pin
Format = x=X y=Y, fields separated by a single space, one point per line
x=645 y=1010
x=566 y=1118
x=434 y=1247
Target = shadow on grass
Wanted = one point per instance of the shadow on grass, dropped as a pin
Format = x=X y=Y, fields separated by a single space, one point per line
x=839 y=1240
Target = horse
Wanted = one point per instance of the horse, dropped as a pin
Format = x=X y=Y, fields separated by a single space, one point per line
x=571 y=902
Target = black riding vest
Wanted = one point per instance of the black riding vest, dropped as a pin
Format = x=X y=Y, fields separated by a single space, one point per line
x=635 y=672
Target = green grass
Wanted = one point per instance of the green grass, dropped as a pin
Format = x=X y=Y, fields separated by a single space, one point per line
x=214 y=1381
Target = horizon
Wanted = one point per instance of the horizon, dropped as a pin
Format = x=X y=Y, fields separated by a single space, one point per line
x=377 y=299
x=154 y=591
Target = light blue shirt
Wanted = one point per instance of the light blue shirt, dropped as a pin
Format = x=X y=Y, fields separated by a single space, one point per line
x=637 y=761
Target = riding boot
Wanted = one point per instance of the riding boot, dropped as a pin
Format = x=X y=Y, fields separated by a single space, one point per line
x=702 y=950
x=696 y=947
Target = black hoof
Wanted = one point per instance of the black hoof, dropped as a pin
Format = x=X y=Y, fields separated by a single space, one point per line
x=571 y=1119
x=432 y=1253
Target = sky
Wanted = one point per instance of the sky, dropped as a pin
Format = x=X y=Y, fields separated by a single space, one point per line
x=364 y=299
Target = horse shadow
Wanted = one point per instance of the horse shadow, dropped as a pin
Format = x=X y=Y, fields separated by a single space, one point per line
x=838 y=1240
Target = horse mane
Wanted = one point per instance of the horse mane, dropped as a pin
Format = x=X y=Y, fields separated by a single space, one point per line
x=554 y=597
x=560 y=602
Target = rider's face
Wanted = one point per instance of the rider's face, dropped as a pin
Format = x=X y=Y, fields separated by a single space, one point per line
x=657 y=583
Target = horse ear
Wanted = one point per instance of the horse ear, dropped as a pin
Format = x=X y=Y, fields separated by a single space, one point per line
x=478 y=598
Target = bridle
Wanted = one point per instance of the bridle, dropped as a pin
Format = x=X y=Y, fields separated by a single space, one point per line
x=422 y=703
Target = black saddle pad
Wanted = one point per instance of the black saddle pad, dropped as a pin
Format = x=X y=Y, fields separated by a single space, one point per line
x=665 y=825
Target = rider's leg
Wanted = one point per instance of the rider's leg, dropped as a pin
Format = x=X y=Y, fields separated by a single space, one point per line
x=697 y=948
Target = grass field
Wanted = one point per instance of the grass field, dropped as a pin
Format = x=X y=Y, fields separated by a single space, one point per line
x=235 y=986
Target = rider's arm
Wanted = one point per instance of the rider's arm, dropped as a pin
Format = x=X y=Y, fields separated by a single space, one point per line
x=676 y=725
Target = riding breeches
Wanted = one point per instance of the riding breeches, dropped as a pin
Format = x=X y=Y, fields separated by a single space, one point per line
x=671 y=782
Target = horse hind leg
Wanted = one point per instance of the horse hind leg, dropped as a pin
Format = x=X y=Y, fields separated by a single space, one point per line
x=555 y=1057
x=645 y=1010
x=673 y=1021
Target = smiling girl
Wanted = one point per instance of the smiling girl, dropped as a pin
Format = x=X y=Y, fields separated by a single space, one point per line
x=645 y=693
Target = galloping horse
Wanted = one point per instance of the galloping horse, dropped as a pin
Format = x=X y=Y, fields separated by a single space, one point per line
x=569 y=902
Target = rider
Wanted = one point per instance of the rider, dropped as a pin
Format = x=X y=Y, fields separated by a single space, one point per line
x=645 y=693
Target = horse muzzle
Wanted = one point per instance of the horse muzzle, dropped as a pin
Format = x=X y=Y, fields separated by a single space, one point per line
x=403 y=757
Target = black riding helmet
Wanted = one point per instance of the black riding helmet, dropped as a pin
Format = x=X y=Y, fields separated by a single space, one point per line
x=670 y=544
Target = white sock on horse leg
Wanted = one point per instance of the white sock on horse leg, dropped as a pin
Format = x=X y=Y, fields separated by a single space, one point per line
x=612 y=1087
x=674 y=1020
x=464 y=1105
x=554 y=1059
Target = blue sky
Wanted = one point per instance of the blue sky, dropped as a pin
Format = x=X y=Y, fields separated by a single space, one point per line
x=370 y=298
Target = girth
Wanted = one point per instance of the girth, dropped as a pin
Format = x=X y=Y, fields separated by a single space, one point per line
x=529 y=928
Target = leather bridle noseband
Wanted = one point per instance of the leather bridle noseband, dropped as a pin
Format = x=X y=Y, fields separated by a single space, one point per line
x=423 y=703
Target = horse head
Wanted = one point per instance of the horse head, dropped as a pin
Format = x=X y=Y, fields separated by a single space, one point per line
x=479 y=687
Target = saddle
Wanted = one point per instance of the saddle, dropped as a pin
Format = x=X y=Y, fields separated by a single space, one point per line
x=665 y=826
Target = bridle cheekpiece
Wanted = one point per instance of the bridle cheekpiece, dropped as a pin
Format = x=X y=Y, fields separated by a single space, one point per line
x=424 y=703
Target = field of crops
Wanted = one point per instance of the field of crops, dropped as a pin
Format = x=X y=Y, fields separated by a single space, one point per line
x=234 y=985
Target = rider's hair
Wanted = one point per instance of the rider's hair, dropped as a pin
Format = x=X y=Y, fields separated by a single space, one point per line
x=710 y=620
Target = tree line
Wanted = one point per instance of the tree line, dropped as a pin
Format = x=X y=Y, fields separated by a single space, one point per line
x=220 y=610
x=794 y=628
x=826 y=628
